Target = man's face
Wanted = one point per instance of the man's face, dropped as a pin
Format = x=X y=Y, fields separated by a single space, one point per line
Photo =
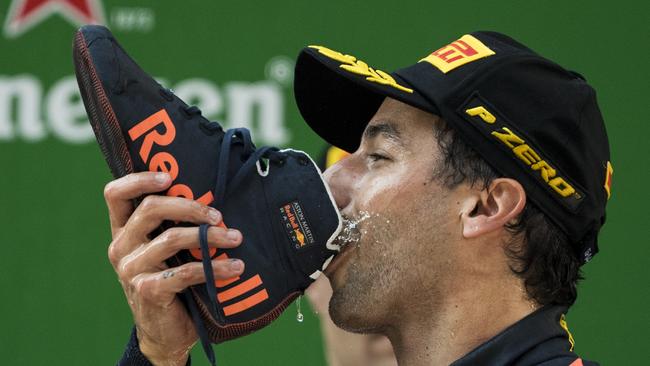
x=408 y=222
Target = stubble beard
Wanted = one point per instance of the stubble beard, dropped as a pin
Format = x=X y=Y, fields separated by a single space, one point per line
x=395 y=271
x=361 y=304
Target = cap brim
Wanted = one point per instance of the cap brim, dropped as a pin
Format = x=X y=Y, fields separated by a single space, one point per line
x=338 y=104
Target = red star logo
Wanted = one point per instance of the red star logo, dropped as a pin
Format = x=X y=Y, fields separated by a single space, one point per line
x=25 y=14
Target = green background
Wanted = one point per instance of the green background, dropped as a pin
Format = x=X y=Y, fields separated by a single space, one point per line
x=61 y=303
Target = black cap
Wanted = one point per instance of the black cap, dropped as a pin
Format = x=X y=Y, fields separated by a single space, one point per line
x=529 y=118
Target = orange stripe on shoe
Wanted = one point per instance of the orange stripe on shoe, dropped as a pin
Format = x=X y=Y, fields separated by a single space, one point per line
x=577 y=362
x=226 y=282
x=247 y=303
x=240 y=289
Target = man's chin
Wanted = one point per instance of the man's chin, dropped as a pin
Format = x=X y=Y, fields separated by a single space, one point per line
x=342 y=313
x=349 y=313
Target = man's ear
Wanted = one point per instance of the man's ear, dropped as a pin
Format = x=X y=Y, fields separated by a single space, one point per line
x=493 y=207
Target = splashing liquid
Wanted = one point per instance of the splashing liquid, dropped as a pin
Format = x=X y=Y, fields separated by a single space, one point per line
x=299 y=316
x=350 y=233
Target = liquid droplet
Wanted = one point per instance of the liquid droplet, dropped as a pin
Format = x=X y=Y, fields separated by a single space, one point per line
x=299 y=316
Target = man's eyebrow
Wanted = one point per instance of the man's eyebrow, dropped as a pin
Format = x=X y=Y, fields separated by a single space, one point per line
x=386 y=129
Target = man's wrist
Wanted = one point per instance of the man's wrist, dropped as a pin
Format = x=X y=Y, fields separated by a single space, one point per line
x=159 y=356
x=139 y=354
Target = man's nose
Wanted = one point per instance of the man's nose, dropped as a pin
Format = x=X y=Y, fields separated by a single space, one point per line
x=340 y=177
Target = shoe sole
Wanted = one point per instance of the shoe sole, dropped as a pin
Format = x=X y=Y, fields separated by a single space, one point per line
x=102 y=117
x=113 y=146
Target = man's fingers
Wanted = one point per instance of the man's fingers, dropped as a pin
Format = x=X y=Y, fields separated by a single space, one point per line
x=150 y=256
x=161 y=287
x=120 y=192
x=151 y=212
x=155 y=209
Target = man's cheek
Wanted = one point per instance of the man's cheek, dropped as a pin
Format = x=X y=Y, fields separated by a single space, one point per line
x=398 y=182
x=379 y=238
x=375 y=198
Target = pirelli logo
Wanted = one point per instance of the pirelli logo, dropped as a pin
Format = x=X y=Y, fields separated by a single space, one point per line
x=530 y=157
x=488 y=120
x=458 y=53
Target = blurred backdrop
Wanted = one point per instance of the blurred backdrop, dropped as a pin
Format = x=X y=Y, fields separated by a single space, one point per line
x=61 y=303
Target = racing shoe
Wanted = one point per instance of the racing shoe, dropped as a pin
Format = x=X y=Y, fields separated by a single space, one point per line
x=276 y=198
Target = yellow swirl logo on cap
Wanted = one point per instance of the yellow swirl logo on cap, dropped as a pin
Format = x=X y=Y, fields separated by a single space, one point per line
x=351 y=64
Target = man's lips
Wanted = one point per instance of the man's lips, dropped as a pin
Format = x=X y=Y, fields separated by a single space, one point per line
x=338 y=259
x=349 y=236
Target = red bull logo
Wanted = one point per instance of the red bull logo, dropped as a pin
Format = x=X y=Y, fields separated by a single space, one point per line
x=296 y=225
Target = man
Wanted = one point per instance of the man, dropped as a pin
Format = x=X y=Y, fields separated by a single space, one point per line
x=344 y=348
x=470 y=222
x=478 y=183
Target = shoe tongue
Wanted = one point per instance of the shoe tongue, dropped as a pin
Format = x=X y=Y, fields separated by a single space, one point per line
x=308 y=218
x=310 y=246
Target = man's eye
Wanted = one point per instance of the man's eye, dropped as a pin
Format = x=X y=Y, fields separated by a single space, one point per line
x=377 y=157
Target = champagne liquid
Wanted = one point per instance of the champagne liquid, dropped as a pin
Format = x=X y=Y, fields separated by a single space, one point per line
x=351 y=233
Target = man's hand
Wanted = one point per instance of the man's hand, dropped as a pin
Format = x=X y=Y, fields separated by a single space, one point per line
x=165 y=331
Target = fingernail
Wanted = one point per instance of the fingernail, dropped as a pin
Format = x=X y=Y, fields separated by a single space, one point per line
x=161 y=178
x=232 y=235
x=236 y=264
x=214 y=216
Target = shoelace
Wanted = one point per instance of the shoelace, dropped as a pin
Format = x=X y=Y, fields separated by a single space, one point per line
x=223 y=187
